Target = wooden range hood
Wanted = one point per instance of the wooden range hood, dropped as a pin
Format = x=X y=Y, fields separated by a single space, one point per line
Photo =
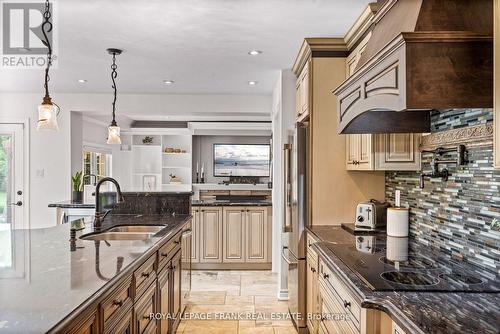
x=423 y=55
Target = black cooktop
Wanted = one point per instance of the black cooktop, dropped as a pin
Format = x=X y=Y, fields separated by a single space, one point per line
x=402 y=264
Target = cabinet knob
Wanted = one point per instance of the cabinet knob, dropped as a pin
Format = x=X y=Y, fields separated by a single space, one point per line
x=347 y=304
x=118 y=302
x=145 y=274
x=313 y=270
x=326 y=276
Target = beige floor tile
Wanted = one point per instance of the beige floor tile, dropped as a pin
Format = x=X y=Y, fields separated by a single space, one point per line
x=256 y=330
x=210 y=327
x=246 y=324
x=207 y=297
x=285 y=330
x=231 y=300
x=214 y=309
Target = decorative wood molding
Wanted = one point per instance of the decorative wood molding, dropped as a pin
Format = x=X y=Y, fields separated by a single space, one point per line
x=361 y=25
x=317 y=45
x=478 y=135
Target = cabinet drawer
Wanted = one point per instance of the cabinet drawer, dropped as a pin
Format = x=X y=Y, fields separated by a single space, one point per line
x=143 y=309
x=331 y=285
x=168 y=250
x=333 y=317
x=311 y=253
x=144 y=276
x=114 y=306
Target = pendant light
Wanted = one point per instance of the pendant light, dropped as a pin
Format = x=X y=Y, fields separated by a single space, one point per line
x=113 y=128
x=48 y=110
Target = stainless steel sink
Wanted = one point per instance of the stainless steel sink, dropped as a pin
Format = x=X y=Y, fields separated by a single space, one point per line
x=129 y=232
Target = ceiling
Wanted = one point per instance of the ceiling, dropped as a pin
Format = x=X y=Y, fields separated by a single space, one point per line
x=200 y=44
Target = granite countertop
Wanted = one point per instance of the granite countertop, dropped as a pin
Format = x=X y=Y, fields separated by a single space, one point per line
x=72 y=205
x=231 y=203
x=48 y=282
x=415 y=312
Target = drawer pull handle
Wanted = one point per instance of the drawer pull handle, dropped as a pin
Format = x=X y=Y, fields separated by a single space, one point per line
x=177 y=242
x=118 y=302
x=347 y=304
x=146 y=316
x=164 y=254
x=145 y=274
x=326 y=276
x=313 y=270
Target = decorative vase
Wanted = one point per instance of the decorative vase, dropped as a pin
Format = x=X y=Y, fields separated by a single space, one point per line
x=77 y=196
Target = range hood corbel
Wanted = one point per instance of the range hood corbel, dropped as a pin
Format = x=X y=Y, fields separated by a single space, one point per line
x=423 y=55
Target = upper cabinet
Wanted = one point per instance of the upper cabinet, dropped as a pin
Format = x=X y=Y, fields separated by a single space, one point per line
x=496 y=83
x=302 y=93
x=379 y=151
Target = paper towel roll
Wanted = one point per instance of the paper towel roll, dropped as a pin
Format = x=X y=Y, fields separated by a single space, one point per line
x=397 y=249
x=397 y=222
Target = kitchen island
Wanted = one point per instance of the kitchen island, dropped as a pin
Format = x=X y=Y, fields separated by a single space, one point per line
x=415 y=310
x=56 y=285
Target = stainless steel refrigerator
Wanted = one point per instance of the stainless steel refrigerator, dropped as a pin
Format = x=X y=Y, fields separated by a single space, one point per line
x=296 y=157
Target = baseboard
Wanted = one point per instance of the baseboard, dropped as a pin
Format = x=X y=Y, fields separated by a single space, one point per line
x=231 y=266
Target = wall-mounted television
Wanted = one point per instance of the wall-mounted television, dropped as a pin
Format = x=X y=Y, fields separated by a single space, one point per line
x=251 y=160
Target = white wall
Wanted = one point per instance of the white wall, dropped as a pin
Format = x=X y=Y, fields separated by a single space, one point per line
x=51 y=151
x=283 y=122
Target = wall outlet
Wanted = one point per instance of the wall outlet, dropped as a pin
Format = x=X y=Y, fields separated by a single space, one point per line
x=397 y=198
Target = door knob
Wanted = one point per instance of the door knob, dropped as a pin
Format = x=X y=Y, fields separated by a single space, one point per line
x=18 y=203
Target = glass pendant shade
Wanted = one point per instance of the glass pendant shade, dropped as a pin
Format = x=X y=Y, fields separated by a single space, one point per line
x=114 y=135
x=47 y=116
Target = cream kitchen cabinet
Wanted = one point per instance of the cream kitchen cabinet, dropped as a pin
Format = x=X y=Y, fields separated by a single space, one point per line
x=256 y=238
x=393 y=151
x=312 y=287
x=234 y=234
x=303 y=93
x=232 y=237
x=210 y=223
x=195 y=236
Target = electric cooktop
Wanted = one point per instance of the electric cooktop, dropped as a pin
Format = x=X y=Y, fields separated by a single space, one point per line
x=402 y=264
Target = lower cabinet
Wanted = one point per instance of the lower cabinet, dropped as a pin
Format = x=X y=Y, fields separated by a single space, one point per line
x=143 y=308
x=233 y=234
x=211 y=234
x=312 y=289
x=155 y=287
x=164 y=300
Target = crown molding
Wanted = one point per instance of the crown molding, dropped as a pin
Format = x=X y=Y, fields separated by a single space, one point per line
x=477 y=135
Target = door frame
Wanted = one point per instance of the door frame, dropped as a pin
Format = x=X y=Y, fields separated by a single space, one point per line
x=25 y=122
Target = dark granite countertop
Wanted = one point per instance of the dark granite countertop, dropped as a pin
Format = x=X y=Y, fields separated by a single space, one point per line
x=72 y=205
x=415 y=312
x=231 y=203
x=49 y=283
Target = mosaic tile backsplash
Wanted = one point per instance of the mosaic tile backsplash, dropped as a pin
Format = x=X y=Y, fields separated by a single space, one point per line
x=455 y=216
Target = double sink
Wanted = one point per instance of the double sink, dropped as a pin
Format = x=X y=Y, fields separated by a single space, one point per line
x=127 y=232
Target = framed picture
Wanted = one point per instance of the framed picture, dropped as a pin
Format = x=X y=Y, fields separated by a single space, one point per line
x=149 y=182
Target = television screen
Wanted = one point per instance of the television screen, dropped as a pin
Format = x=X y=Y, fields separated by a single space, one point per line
x=241 y=160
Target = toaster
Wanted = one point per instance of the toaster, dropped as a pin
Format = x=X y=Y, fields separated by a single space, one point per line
x=371 y=215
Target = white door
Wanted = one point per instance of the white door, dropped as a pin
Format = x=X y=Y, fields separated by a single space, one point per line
x=11 y=199
x=11 y=176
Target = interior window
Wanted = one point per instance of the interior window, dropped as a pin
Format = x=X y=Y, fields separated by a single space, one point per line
x=96 y=163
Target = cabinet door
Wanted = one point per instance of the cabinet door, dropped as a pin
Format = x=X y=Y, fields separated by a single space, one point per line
x=256 y=234
x=234 y=234
x=126 y=324
x=143 y=308
x=87 y=324
x=176 y=290
x=164 y=300
x=352 y=151
x=302 y=93
x=195 y=236
x=211 y=235
x=397 y=151
x=312 y=296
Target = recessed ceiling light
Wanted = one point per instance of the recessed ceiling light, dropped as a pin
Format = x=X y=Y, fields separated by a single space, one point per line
x=168 y=82
x=252 y=83
x=82 y=80
x=254 y=52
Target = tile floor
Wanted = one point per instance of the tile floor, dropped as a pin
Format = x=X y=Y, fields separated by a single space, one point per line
x=227 y=292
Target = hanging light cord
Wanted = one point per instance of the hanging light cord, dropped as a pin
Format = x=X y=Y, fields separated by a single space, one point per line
x=47 y=28
x=114 y=74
